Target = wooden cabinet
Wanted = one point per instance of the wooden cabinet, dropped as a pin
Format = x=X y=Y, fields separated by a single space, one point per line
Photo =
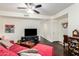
x=73 y=46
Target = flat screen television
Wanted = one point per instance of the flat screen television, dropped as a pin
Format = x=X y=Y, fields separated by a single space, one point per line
x=30 y=32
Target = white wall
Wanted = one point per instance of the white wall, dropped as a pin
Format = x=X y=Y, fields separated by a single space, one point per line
x=73 y=17
x=20 y=25
x=60 y=30
x=45 y=29
x=53 y=30
x=48 y=29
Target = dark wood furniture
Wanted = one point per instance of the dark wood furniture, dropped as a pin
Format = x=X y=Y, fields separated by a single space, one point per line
x=73 y=46
x=65 y=39
x=65 y=42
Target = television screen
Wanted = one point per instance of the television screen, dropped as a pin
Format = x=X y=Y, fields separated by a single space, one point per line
x=30 y=32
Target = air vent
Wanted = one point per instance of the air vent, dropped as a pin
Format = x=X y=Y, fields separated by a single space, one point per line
x=21 y=7
x=26 y=15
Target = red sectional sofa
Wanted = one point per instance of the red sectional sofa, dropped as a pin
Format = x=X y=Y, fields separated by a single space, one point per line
x=6 y=52
x=43 y=50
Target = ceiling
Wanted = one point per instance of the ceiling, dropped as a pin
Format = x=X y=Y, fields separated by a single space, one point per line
x=47 y=9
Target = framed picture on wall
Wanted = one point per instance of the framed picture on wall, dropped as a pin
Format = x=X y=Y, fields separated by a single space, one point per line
x=9 y=28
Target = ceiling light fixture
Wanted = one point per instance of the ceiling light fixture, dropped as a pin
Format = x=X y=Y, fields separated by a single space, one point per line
x=30 y=11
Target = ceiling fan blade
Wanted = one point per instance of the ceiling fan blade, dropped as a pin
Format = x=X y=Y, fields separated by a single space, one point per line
x=26 y=3
x=36 y=11
x=38 y=6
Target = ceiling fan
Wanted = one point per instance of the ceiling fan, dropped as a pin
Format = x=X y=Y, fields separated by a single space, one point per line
x=32 y=7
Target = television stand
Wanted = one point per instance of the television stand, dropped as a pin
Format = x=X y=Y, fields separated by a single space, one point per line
x=35 y=39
